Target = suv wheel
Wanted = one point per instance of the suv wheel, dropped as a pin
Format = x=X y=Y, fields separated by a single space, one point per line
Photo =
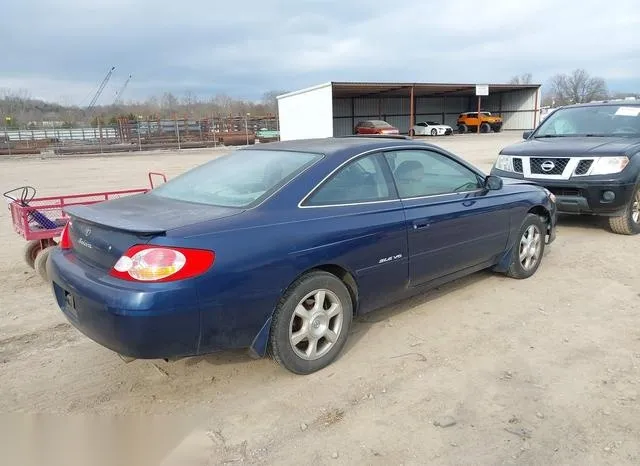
x=462 y=128
x=485 y=128
x=629 y=222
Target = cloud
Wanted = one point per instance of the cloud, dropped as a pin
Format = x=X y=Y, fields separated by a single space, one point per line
x=65 y=48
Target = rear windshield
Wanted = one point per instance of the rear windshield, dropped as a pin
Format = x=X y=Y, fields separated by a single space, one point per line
x=240 y=179
x=595 y=120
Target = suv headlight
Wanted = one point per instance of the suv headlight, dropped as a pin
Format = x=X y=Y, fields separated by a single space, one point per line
x=504 y=163
x=609 y=165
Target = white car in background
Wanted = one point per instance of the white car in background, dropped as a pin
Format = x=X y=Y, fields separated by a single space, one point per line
x=430 y=128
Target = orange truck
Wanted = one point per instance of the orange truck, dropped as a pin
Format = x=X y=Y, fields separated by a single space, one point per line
x=469 y=121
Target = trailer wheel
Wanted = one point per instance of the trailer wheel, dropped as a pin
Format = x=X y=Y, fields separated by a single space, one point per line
x=40 y=263
x=31 y=251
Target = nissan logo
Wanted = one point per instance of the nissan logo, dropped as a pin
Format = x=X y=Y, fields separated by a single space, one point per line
x=548 y=165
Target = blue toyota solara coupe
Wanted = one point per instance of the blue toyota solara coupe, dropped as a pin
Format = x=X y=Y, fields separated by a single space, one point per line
x=276 y=247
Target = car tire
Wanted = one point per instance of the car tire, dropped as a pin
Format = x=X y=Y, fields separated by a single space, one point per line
x=485 y=128
x=629 y=222
x=298 y=320
x=434 y=132
x=462 y=129
x=30 y=252
x=40 y=264
x=528 y=248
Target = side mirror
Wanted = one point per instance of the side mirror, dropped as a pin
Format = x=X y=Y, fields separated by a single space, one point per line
x=493 y=183
x=526 y=134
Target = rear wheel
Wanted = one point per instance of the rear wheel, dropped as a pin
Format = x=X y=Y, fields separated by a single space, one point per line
x=30 y=252
x=434 y=132
x=629 y=222
x=529 y=248
x=40 y=263
x=462 y=128
x=311 y=324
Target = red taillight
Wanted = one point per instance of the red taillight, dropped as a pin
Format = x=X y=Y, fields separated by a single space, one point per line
x=65 y=238
x=148 y=263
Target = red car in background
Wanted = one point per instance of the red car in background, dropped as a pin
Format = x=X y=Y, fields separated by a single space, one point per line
x=375 y=127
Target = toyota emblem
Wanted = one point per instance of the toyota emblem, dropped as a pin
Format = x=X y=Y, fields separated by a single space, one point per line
x=548 y=165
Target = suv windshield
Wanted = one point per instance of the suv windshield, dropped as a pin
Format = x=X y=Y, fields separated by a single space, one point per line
x=240 y=179
x=594 y=120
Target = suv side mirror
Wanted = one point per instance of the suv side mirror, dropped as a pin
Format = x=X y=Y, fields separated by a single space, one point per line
x=493 y=183
x=526 y=134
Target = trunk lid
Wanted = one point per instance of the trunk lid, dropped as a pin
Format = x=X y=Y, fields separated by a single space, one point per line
x=100 y=233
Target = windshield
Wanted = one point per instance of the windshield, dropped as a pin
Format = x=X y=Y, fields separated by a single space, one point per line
x=432 y=123
x=240 y=179
x=600 y=120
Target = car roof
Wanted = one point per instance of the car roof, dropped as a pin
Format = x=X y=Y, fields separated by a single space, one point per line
x=339 y=146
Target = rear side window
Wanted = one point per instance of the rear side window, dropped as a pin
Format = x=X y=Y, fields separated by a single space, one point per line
x=362 y=180
x=240 y=179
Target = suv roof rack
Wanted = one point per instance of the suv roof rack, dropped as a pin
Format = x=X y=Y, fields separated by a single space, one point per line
x=378 y=136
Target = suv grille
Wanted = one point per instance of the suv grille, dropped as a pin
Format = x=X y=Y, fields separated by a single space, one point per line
x=517 y=165
x=583 y=167
x=556 y=166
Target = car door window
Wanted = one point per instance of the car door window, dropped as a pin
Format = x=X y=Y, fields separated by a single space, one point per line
x=362 y=180
x=428 y=173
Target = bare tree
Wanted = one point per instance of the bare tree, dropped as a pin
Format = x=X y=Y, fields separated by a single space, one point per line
x=270 y=101
x=577 y=87
x=169 y=102
x=526 y=78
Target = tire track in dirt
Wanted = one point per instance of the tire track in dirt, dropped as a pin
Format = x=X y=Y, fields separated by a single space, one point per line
x=48 y=338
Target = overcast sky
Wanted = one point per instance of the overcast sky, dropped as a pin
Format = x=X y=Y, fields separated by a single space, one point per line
x=61 y=49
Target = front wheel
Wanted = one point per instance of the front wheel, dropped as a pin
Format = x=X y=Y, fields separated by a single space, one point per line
x=311 y=324
x=434 y=132
x=485 y=128
x=629 y=222
x=529 y=248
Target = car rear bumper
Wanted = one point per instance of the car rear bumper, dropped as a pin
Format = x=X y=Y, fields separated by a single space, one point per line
x=583 y=197
x=147 y=321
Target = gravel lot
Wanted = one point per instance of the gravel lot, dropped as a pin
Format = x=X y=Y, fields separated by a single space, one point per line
x=487 y=370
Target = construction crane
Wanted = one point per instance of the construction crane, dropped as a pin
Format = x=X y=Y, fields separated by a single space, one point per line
x=100 y=89
x=118 y=98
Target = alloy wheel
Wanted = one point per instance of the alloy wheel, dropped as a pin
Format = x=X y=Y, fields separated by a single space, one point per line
x=530 y=247
x=316 y=324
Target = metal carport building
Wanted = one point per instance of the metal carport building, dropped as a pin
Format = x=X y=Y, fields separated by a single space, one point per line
x=334 y=108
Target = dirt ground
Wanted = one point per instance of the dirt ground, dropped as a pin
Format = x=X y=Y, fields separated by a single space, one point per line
x=487 y=370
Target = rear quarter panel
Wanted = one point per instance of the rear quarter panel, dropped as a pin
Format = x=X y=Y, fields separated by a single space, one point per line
x=258 y=259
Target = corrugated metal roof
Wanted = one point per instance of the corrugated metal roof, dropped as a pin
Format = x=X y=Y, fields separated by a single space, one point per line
x=359 y=89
